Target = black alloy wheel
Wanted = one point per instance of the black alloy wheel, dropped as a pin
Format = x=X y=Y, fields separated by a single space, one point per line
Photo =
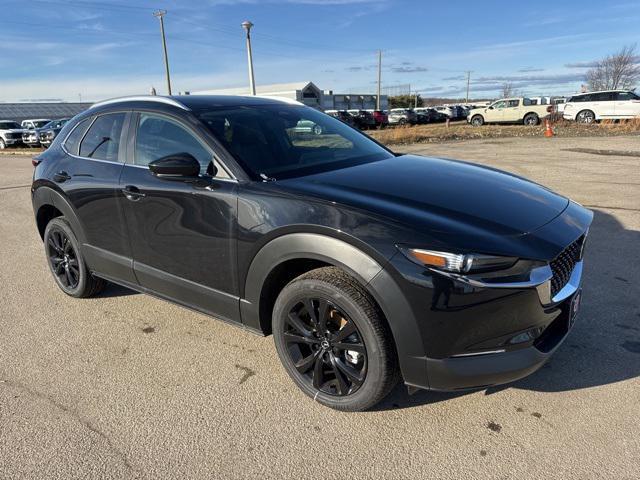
x=63 y=259
x=66 y=261
x=333 y=340
x=326 y=347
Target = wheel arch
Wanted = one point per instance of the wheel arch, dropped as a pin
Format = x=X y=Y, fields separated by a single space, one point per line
x=49 y=204
x=297 y=253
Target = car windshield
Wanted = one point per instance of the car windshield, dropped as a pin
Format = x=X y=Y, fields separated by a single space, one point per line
x=8 y=125
x=40 y=123
x=283 y=141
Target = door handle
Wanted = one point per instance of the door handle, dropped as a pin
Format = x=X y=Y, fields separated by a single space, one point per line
x=132 y=193
x=61 y=176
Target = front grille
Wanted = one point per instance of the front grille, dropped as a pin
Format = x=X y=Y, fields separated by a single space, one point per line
x=562 y=265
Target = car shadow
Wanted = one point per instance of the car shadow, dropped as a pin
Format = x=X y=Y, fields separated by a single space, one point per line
x=115 y=290
x=604 y=345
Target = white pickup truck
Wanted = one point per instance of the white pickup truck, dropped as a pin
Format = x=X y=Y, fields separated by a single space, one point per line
x=509 y=110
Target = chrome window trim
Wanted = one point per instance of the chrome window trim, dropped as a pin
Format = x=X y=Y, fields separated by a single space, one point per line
x=141 y=98
x=144 y=167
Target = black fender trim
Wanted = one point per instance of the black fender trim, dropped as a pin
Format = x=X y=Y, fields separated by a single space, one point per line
x=366 y=270
x=48 y=196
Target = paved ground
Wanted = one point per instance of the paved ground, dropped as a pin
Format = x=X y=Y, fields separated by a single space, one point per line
x=129 y=386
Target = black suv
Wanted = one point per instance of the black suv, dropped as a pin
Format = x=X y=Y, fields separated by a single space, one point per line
x=367 y=266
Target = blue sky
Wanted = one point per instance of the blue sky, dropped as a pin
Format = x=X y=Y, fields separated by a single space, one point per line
x=98 y=49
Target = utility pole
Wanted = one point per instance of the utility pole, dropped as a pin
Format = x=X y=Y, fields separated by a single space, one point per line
x=160 y=14
x=468 y=82
x=415 y=96
x=379 y=79
x=252 y=81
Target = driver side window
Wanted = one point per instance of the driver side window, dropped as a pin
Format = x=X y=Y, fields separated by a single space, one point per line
x=501 y=104
x=158 y=136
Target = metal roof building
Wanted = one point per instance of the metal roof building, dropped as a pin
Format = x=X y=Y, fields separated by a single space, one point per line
x=32 y=110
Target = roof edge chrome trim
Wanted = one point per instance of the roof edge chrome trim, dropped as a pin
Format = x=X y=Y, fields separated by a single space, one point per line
x=141 y=98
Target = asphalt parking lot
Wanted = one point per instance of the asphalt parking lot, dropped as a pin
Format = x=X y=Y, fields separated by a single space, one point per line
x=128 y=386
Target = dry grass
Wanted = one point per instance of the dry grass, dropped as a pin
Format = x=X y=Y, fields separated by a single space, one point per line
x=463 y=131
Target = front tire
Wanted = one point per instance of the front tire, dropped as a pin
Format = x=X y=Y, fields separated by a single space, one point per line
x=477 y=120
x=66 y=262
x=531 y=120
x=333 y=341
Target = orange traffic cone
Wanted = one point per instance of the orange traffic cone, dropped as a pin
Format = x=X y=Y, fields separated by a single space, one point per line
x=547 y=130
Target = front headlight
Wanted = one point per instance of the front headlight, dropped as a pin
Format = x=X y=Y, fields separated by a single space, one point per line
x=455 y=262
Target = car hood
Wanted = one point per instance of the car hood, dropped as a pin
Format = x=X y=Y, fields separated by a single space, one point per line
x=437 y=195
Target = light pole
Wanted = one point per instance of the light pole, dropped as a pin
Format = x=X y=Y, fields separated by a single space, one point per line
x=252 y=82
x=160 y=14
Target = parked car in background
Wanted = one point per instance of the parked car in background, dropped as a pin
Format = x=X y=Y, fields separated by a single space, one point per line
x=342 y=115
x=362 y=119
x=402 y=116
x=10 y=134
x=607 y=104
x=381 y=118
x=366 y=266
x=509 y=110
x=31 y=135
x=47 y=133
x=448 y=111
x=437 y=116
x=425 y=114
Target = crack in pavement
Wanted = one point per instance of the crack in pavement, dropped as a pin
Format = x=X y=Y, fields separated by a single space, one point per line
x=14 y=186
x=72 y=413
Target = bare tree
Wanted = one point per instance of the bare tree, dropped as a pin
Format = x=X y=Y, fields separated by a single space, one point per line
x=508 y=90
x=620 y=70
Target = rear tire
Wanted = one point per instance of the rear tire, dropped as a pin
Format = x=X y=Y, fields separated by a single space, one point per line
x=66 y=262
x=586 y=116
x=342 y=353
x=2 y=144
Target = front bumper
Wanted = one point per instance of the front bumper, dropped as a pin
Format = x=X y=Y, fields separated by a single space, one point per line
x=12 y=141
x=500 y=367
x=476 y=331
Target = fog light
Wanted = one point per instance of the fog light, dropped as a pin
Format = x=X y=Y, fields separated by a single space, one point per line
x=526 y=336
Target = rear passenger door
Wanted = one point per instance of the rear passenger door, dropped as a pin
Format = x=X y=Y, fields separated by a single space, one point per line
x=627 y=105
x=512 y=112
x=89 y=176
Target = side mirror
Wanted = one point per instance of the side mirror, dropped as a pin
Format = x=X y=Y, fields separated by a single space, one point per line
x=490 y=108
x=176 y=165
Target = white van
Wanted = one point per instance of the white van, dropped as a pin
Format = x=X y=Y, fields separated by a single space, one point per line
x=593 y=106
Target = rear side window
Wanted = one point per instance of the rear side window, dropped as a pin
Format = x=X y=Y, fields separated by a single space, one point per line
x=102 y=141
x=72 y=142
x=622 y=96
x=602 y=97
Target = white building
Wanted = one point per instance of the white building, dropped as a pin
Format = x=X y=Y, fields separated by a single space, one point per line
x=307 y=93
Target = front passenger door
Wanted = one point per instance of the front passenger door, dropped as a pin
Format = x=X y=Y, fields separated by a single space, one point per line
x=182 y=230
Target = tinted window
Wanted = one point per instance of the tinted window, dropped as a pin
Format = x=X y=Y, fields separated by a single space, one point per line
x=602 y=97
x=102 y=141
x=9 y=125
x=73 y=140
x=621 y=96
x=513 y=103
x=288 y=141
x=159 y=136
x=578 y=98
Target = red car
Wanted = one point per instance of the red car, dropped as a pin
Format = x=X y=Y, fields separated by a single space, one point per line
x=381 y=118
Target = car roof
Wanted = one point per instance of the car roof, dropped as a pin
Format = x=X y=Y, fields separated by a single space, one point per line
x=601 y=91
x=198 y=102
